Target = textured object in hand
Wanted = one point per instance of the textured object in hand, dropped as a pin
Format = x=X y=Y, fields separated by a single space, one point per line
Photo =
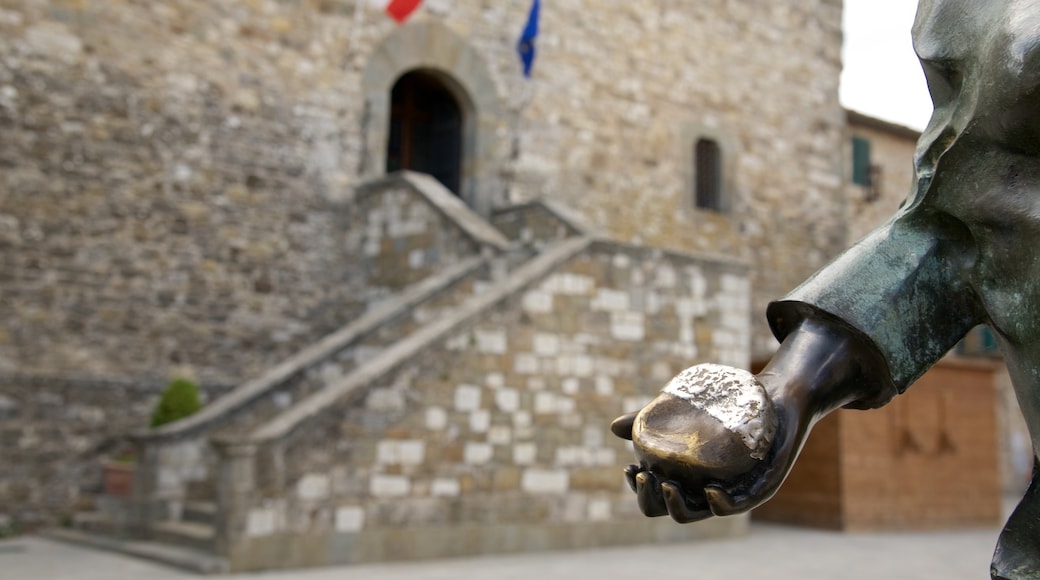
x=710 y=424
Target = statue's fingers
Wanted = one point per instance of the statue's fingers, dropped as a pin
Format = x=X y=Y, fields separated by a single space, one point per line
x=648 y=495
x=724 y=504
x=630 y=476
x=680 y=509
x=622 y=426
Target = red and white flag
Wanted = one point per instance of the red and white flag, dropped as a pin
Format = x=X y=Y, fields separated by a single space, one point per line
x=399 y=10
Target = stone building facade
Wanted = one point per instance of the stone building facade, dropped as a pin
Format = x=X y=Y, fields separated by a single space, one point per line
x=186 y=189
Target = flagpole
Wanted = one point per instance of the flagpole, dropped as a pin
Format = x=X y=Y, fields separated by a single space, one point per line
x=525 y=49
x=359 y=16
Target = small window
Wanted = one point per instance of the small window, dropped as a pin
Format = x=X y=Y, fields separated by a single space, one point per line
x=708 y=175
x=861 y=169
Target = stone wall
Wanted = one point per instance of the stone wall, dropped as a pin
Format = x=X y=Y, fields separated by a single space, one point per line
x=53 y=431
x=497 y=439
x=175 y=172
x=177 y=177
x=892 y=152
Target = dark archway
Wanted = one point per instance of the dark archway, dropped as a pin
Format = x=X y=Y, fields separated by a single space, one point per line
x=426 y=129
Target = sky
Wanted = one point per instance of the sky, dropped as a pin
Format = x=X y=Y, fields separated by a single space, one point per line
x=881 y=75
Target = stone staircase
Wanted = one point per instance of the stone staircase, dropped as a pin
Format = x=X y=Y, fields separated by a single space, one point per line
x=463 y=412
x=184 y=479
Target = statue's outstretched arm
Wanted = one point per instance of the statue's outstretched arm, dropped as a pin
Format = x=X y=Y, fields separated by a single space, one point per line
x=855 y=334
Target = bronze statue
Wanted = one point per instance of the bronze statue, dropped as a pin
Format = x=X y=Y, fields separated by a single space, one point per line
x=959 y=252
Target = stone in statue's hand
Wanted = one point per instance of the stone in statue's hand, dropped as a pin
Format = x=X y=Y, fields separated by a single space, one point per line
x=710 y=444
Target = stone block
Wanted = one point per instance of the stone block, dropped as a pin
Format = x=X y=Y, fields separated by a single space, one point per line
x=313 y=487
x=467 y=398
x=388 y=486
x=477 y=453
x=349 y=518
x=545 y=481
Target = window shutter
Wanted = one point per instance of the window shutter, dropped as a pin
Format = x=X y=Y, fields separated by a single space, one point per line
x=861 y=161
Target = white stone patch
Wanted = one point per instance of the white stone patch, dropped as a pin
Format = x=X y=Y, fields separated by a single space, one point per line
x=571 y=456
x=599 y=510
x=457 y=342
x=507 y=400
x=622 y=261
x=698 y=284
x=550 y=481
x=545 y=403
x=732 y=396
x=604 y=456
x=570 y=419
x=583 y=366
x=467 y=398
x=313 y=487
x=660 y=371
x=686 y=333
x=350 y=518
x=55 y=40
x=627 y=326
x=500 y=435
x=525 y=364
x=400 y=452
x=593 y=436
x=610 y=300
x=666 y=277
x=416 y=258
x=436 y=418
x=546 y=344
x=479 y=421
x=477 y=453
x=521 y=420
x=537 y=302
x=525 y=453
x=495 y=380
x=491 y=341
x=445 y=487
x=604 y=385
x=572 y=284
x=389 y=486
x=261 y=522
x=570 y=386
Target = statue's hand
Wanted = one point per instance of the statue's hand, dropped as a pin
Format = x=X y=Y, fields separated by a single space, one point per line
x=692 y=466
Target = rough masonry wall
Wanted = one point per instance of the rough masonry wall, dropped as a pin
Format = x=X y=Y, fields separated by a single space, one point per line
x=621 y=93
x=173 y=171
x=498 y=440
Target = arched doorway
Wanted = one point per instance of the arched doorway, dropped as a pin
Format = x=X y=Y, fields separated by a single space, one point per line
x=426 y=129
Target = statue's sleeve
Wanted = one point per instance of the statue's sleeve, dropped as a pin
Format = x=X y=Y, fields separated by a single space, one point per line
x=905 y=287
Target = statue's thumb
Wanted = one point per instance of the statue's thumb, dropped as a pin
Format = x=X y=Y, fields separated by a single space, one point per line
x=622 y=426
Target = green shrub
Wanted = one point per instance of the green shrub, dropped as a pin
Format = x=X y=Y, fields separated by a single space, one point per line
x=178 y=400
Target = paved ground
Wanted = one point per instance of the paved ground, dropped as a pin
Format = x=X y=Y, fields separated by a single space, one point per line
x=770 y=552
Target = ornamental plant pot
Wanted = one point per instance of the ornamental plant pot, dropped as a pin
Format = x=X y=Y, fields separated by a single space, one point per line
x=118 y=478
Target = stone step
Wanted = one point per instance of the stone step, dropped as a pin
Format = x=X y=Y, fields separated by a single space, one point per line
x=199 y=512
x=189 y=534
x=99 y=523
x=177 y=556
x=201 y=491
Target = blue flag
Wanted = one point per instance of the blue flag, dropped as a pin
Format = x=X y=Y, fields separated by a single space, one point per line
x=525 y=46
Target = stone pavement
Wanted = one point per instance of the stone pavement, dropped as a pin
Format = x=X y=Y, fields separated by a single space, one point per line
x=769 y=552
